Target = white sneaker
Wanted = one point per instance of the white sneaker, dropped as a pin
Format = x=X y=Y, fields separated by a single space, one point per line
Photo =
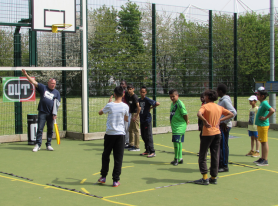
x=49 y=148
x=36 y=148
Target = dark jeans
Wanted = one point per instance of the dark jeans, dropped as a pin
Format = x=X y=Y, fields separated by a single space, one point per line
x=147 y=136
x=42 y=118
x=212 y=142
x=117 y=144
x=224 y=148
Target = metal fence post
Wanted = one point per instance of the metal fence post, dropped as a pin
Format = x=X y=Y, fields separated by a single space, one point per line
x=154 y=59
x=17 y=63
x=235 y=63
x=64 y=82
x=210 y=52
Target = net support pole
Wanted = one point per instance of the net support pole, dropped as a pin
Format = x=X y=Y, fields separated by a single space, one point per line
x=64 y=82
x=235 y=63
x=272 y=96
x=210 y=52
x=17 y=63
x=85 y=70
x=154 y=59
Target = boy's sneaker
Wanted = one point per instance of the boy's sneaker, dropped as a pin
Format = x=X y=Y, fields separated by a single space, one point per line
x=258 y=161
x=134 y=149
x=181 y=161
x=127 y=146
x=102 y=180
x=151 y=155
x=36 y=148
x=116 y=184
x=175 y=162
x=144 y=153
x=250 y=153
x=201 y=182
x=256 y=154
x=263 y=163
x=49 y=148
x=212 y=181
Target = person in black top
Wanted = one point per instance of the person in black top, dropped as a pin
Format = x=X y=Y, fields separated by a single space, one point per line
x=49 y=100
x=134 y=110
x=146 y=105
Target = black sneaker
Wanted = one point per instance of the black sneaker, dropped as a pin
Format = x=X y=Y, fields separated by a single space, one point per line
x=212 y=181
x=175 y=162
x=201 y=182
x=181 y=161
x=128 y=146
x=258 y=161
x=224 y=169
x=263 y=163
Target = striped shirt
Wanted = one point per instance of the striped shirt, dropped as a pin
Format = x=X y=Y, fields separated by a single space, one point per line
x=115 y=120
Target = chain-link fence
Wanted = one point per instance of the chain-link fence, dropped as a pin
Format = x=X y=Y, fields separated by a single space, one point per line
x=160 y=46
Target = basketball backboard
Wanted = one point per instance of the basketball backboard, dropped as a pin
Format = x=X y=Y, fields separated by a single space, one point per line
x=50 y=12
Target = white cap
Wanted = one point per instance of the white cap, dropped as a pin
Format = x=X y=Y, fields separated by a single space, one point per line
x=261 y=89
x=253 y=98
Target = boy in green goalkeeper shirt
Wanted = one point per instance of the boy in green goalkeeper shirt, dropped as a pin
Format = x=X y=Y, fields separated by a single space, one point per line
x=179 y=121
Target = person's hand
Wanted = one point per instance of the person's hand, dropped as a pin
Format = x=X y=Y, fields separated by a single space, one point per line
x=24 y=72
x=223 y=127
x=262 y=118
x=188 y=121
x=207 y=125
x=134 y=119
x=54 y=117
x=110 y=99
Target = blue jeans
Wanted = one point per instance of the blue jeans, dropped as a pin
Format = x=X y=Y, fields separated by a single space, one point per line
x=42 y=118
x=224 y=148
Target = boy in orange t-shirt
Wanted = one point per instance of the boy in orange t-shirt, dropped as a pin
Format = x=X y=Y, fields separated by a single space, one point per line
x=210 y=113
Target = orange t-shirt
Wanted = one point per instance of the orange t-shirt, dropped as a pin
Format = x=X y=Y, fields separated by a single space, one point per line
x=212 y=113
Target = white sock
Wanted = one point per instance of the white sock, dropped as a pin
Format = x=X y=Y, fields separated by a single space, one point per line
x=258 y=151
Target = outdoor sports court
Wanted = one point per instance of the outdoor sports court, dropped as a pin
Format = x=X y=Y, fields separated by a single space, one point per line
x=75 y=165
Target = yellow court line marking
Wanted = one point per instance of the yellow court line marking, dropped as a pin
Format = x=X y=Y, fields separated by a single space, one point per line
x=127 y=167
x=122 y=168
x=238 y=173
x=46 y=186
x=83 y=181
x=119 y=203
x=84 y=190
x=129 y=193
x=269 y=170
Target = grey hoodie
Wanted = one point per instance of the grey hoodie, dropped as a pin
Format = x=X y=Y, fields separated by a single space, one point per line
x=226 y=102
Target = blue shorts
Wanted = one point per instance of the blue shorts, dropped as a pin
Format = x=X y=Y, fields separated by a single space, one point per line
x=177 y=138
x=253 y=133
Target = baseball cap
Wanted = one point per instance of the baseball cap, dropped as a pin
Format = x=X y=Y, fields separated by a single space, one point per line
x=261 y=89
x=253 y=98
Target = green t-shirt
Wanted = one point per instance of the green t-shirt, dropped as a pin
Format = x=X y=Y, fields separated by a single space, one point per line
x=178 y=123
x=262 y=111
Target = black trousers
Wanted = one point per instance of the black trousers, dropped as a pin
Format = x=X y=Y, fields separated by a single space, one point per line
x=212 y=142
x=147 y=136
x=115 y=143
x=224 y=148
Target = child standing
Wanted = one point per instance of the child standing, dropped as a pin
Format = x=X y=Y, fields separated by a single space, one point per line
x=146 y=105
x=114 y=138
x=262 y=122
x=210 y=113
x=252 y=128
x=134 y=110
x=179 y=121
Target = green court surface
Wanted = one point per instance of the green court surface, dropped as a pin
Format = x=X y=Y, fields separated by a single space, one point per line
x=144 y=181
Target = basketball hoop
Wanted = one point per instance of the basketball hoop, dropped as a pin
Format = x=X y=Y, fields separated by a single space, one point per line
x=60 y=27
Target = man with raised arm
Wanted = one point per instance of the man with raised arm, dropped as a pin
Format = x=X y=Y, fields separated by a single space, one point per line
x=48 y=107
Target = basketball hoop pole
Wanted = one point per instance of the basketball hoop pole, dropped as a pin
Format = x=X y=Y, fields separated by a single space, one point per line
x=85 y=70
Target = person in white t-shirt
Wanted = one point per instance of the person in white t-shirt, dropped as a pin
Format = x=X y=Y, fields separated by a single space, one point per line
x=114 y=138
x=252 y=128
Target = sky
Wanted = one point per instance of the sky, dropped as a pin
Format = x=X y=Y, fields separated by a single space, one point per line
x=220 y=5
